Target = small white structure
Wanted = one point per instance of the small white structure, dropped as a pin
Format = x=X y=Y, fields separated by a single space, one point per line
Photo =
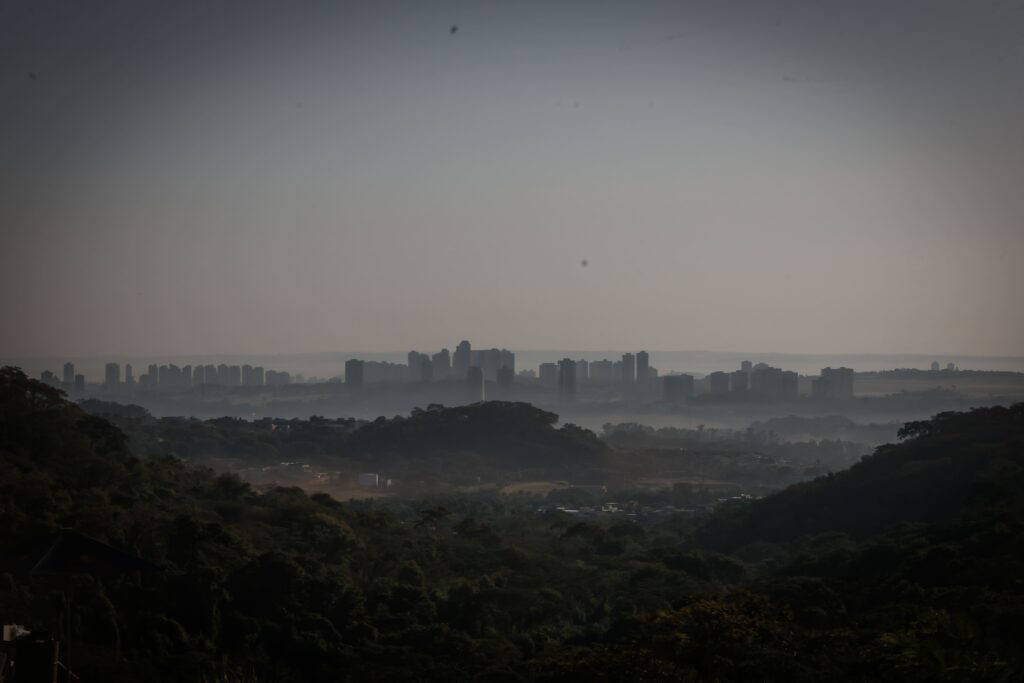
x=368 y=480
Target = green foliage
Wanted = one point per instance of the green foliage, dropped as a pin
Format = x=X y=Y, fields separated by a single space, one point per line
x=906 y=567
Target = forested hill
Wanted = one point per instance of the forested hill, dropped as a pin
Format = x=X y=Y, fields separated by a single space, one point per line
x=482 y=439
x=517 y=433
x=953 y=466
x=279 y=586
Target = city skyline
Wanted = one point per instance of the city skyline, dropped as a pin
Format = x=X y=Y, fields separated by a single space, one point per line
x=540 y=341
x=702 y=362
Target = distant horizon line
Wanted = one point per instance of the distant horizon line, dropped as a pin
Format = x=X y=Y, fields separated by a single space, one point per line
x=553 y=350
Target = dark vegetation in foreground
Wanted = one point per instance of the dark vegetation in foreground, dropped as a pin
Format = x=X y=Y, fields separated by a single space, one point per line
x=908 y=566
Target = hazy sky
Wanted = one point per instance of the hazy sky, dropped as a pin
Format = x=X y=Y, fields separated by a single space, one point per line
x=801 y=176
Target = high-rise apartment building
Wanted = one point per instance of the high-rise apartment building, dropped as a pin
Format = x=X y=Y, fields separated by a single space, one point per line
x=69 y=374
x=602 y=371
x=507 y=359
x=548 y=373
x=112 y=376
x=460 y=359
x=738 y=381
x=833 y=383
x=628 y=368
x=718 y=383
x=774 y=382
x=253 y=376
x=277 y=378
x=582 y=370
x=643 y=365
x=567 y=379
x=442 y=361
x=415 y=362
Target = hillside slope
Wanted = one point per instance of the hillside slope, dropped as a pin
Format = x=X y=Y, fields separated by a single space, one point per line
x=951 y=467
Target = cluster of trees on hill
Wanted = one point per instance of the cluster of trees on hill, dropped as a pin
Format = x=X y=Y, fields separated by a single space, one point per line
x=490 y=444
x=437 y=444
x=842 y=578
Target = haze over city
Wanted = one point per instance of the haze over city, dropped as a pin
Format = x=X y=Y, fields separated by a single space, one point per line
x=531 y=341
x=232 y=178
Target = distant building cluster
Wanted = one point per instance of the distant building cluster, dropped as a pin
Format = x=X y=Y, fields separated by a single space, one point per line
x=833 y=383
x=492 y=371
x=760 y=380
x=169 y=376
x=475 y=367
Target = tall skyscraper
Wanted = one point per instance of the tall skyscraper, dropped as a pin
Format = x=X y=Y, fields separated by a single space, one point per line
x=112 y=376
x=154 y=376
x=548 y=373
x=582 y=370
x=642 y=369
x=774 y=382
x=69 y=374
x=415 y=364
x=567 y=379
x=602 y=371
x=507 y=359
x=442 y=361
x=277 y=378
x=738 y=381
x=718 y=382
x=833 y=383
x=492 y=359
x=628 y=368
x=460 y=359
x=79 y=384
x=199 y=375
x=129 y=375
x=354 y=373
